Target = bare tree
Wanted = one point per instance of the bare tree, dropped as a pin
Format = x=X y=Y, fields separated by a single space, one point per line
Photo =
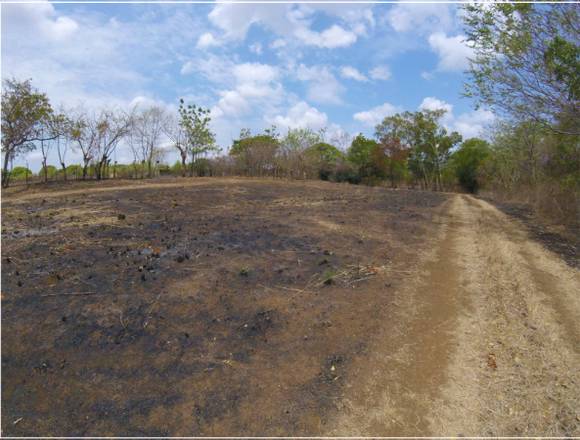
x=177 y=135
x=112 y=126
x=147 y=129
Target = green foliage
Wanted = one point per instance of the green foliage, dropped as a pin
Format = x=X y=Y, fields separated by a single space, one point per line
x=323 y=158
x=20 y=173
x=420 y=140
x=360 y=150
x=25 y=115
x=467 y=161
x=51 y=171
x=526 y=61
x=254 y=143
x=324 y=153
x=198 y=136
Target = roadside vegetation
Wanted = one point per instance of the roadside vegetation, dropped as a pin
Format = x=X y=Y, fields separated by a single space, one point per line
x=525 y=68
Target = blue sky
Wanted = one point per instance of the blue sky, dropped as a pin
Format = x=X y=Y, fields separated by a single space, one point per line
x=339 y=66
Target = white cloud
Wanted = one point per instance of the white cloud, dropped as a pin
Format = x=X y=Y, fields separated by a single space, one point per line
x=470 y=124
x=323 y=87
x=333 y=37
x=431 y=103
x=453 y=52
x=473 y=124
x=206 y=40
x=427 y=76
x=420 y=18
x=256 y=86
x=382 y=73
x=39 y=18
x=255 y=72
x=294 y=21
x=350 y=72
x=301 y=115
x=375 y=115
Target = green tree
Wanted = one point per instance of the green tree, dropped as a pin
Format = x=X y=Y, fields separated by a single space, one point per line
x=526 y=61
x=50 y=171
x=323 y=157
x=256 y=155
x=360 y=150
x=467 y=162
x=427 y=142
x=199 y=138
x=25 y=112
x=20 y=173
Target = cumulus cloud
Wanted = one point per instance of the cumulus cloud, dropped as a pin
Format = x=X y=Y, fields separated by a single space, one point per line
x=256 y=84
x=381 y=73
x=39 y=18
x=206 y=40
x=300 y=115
x=294 y=22
x=469 y=124
x=375 y=115
x=473 y=124
x=432 y=103
x=350 y=72
x=420 y=18
x=452 y=51
x=333 y=37
x=323 y=87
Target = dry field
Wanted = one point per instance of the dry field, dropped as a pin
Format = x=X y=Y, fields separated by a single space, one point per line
x=192 y=307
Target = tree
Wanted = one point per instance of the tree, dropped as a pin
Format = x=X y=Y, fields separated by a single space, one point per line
x=177 y=135
x=146 y=131
x=360 y=150
x=293 y=150
x=20 y=173
x=323 y=158
x=526 y=61
x=467 y=161
x=55 y=126
x=256 y=155
x=62 y=144
x=198 y=135
x=111 y=127
x=24 y=114
x=428 y=142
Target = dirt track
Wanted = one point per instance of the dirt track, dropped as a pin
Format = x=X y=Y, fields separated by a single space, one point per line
x=453 y=323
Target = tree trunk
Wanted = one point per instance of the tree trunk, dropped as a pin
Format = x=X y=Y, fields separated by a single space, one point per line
x=5 y=174
x=85 y=168
x=63 y=170
x=183 y=164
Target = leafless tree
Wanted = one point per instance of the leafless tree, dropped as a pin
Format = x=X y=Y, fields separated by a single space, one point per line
x=178 y=138
x=147 y=130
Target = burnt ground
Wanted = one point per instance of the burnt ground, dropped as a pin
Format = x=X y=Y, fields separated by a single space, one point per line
x=197 y=306
x=564 y=242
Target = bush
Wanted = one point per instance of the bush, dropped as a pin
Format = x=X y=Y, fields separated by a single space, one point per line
x=345 y=172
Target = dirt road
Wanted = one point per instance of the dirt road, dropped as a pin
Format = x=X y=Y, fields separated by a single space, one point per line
x=240 y=307
x=488 y=339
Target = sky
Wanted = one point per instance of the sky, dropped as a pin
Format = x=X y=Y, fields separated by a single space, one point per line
x=343 y=67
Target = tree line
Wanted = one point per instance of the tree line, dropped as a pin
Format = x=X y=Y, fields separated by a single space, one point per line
x=525 y=67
